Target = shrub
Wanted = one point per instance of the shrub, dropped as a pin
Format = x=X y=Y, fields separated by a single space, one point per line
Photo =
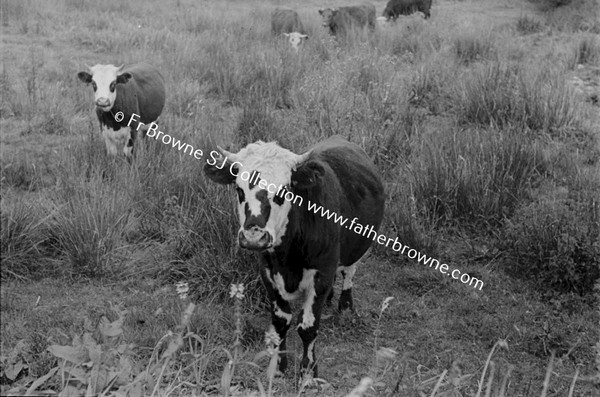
x=556 y=244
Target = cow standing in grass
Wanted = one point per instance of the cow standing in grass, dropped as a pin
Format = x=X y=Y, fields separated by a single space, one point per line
x=287 y=22
x=138 y=89
x=341 y=21
x=395 y=8
x=299 y=249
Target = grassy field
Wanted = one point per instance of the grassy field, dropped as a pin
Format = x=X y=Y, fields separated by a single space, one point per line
x=483 y=120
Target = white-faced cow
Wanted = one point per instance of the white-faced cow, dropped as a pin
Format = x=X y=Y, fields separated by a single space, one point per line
x=138 y=89
x=299 y=249
x=342 y=20
x=395 y=8
x=287 y=22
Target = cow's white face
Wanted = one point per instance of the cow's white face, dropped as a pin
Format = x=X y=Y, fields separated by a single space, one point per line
x=263 y=209
x=104 y=80
x=296 y=39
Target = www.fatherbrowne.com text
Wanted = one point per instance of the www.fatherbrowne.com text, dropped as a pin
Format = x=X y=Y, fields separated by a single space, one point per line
x=367 y=231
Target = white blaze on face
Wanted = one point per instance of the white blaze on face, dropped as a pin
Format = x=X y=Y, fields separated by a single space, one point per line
x=296 y=39
x=275 y=165
x=104 y=82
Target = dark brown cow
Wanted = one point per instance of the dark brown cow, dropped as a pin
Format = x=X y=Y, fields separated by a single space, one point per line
x=138 y=89
x=287 y=22
x=283 y=199
x=342 y=20
x=395 y=8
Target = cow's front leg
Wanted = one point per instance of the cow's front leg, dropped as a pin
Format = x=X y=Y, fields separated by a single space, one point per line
x=281 y=317
x=310 y=318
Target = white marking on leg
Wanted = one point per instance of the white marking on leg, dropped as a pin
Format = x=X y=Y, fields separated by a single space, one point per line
x=308 y=317
x=309 y=352
x=348 y=274
x=307 y=282
x=115 y=138
x=281 y=314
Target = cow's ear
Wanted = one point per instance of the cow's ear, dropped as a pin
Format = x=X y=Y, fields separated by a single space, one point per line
x=308 y=175
x=224 y=175
x=85 y=77
x=123 y=78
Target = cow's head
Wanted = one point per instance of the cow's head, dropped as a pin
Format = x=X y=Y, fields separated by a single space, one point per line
x=104 y=80
x=327 y=14
x=296 y=39
x=263 y=173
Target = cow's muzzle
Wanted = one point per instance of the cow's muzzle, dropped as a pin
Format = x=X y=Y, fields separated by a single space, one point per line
x=103 y=103
x=255 y=239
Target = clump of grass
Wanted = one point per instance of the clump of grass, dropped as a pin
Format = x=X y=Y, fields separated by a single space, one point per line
x=473 y=46
x=555 y=244
x=88 y=227
x=587 y=50
x=475 y=175
x=505 y=96
x=20 y=174
x=528 y=25
x=21 y=239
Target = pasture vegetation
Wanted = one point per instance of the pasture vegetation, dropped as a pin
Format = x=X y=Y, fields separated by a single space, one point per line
x=489 y=152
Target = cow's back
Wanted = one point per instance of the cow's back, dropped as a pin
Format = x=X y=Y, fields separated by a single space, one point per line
x=146 y=88
x=285 y=20
x=362 y=189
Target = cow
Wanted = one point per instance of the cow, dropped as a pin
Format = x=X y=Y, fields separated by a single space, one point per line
x=300 y=250
x=287 y=22
x=342 y=20
x=137 y=88
x=395 y=8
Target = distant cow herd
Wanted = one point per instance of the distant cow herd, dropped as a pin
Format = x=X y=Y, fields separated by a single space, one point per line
x=300 y=252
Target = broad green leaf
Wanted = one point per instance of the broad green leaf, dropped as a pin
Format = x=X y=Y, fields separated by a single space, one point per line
x=73 y=354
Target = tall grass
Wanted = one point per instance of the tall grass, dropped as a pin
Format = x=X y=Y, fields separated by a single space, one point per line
x=21 y=241
x=476 y=175
x=509 y=96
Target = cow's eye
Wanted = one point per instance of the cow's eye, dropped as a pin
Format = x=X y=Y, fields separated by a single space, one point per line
x=94 y=86
x=279 y=198
x=112 y=86
x=241 y=195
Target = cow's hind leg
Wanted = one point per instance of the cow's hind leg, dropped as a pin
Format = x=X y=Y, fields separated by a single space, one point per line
x=345 y=301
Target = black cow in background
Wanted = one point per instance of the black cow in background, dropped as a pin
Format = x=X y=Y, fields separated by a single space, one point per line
x=395 y=8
